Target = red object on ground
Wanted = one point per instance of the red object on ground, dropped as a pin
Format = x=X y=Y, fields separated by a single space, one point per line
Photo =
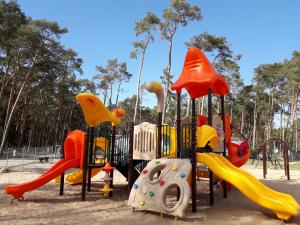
x=74 y=149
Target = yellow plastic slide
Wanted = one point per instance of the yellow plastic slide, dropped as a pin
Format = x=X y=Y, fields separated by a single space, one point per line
x=76 y=177
x=284 y=205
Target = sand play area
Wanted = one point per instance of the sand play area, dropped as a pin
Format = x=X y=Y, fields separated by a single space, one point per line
x=45 y=206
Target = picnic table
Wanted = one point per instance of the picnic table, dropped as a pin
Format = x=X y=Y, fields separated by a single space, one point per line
x=44 y=159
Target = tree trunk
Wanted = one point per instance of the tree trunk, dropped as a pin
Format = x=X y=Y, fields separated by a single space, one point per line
x=61 y=107
x=119 y=89
x=294 y=105
x=168 y=79
x=140 y=105
x=293 y=109
x=18 y=97
x=42 y=120
x=242 y=123
x=5 y=81
x=202 y=105
x=296 y=135
x=294 y=115
x=254 y=124
x=105 y=95
x=110 y=97
x=139 y=83
x=281 y=122
x=199 y=105
x=10 y=102
x=24 y=115
x=1 y=91
x=271 y=114
x=188 y=107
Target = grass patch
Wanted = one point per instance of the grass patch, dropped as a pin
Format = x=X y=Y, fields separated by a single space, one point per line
x=295 y=166
x=259 y=164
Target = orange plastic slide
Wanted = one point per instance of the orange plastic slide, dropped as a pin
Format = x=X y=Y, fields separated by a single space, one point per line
x=73 y=147
x=17 y=191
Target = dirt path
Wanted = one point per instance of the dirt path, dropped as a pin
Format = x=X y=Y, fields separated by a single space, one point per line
x=44 y=206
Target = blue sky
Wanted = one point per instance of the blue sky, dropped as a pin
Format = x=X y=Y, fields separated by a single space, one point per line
x=262 y=31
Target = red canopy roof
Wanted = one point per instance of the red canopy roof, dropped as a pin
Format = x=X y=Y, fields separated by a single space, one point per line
x=198 y=75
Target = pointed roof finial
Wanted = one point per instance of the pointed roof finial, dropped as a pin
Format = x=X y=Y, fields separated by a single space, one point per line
x=198 y=75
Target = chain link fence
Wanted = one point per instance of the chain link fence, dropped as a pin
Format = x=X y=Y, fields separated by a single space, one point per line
x=294 y=155
x=15 y=158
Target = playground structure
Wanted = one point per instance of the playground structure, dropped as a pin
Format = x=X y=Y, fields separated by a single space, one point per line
x=146 y=195
x=73 y=146
x=275 y=151
x=74 y=149
x=199 y=79
x=76 y=177
x=131 y=148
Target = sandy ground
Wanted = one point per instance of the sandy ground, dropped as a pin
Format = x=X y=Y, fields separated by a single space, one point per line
x=45 y=206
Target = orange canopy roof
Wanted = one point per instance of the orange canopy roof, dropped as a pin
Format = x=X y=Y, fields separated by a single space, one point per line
x=198 y=75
